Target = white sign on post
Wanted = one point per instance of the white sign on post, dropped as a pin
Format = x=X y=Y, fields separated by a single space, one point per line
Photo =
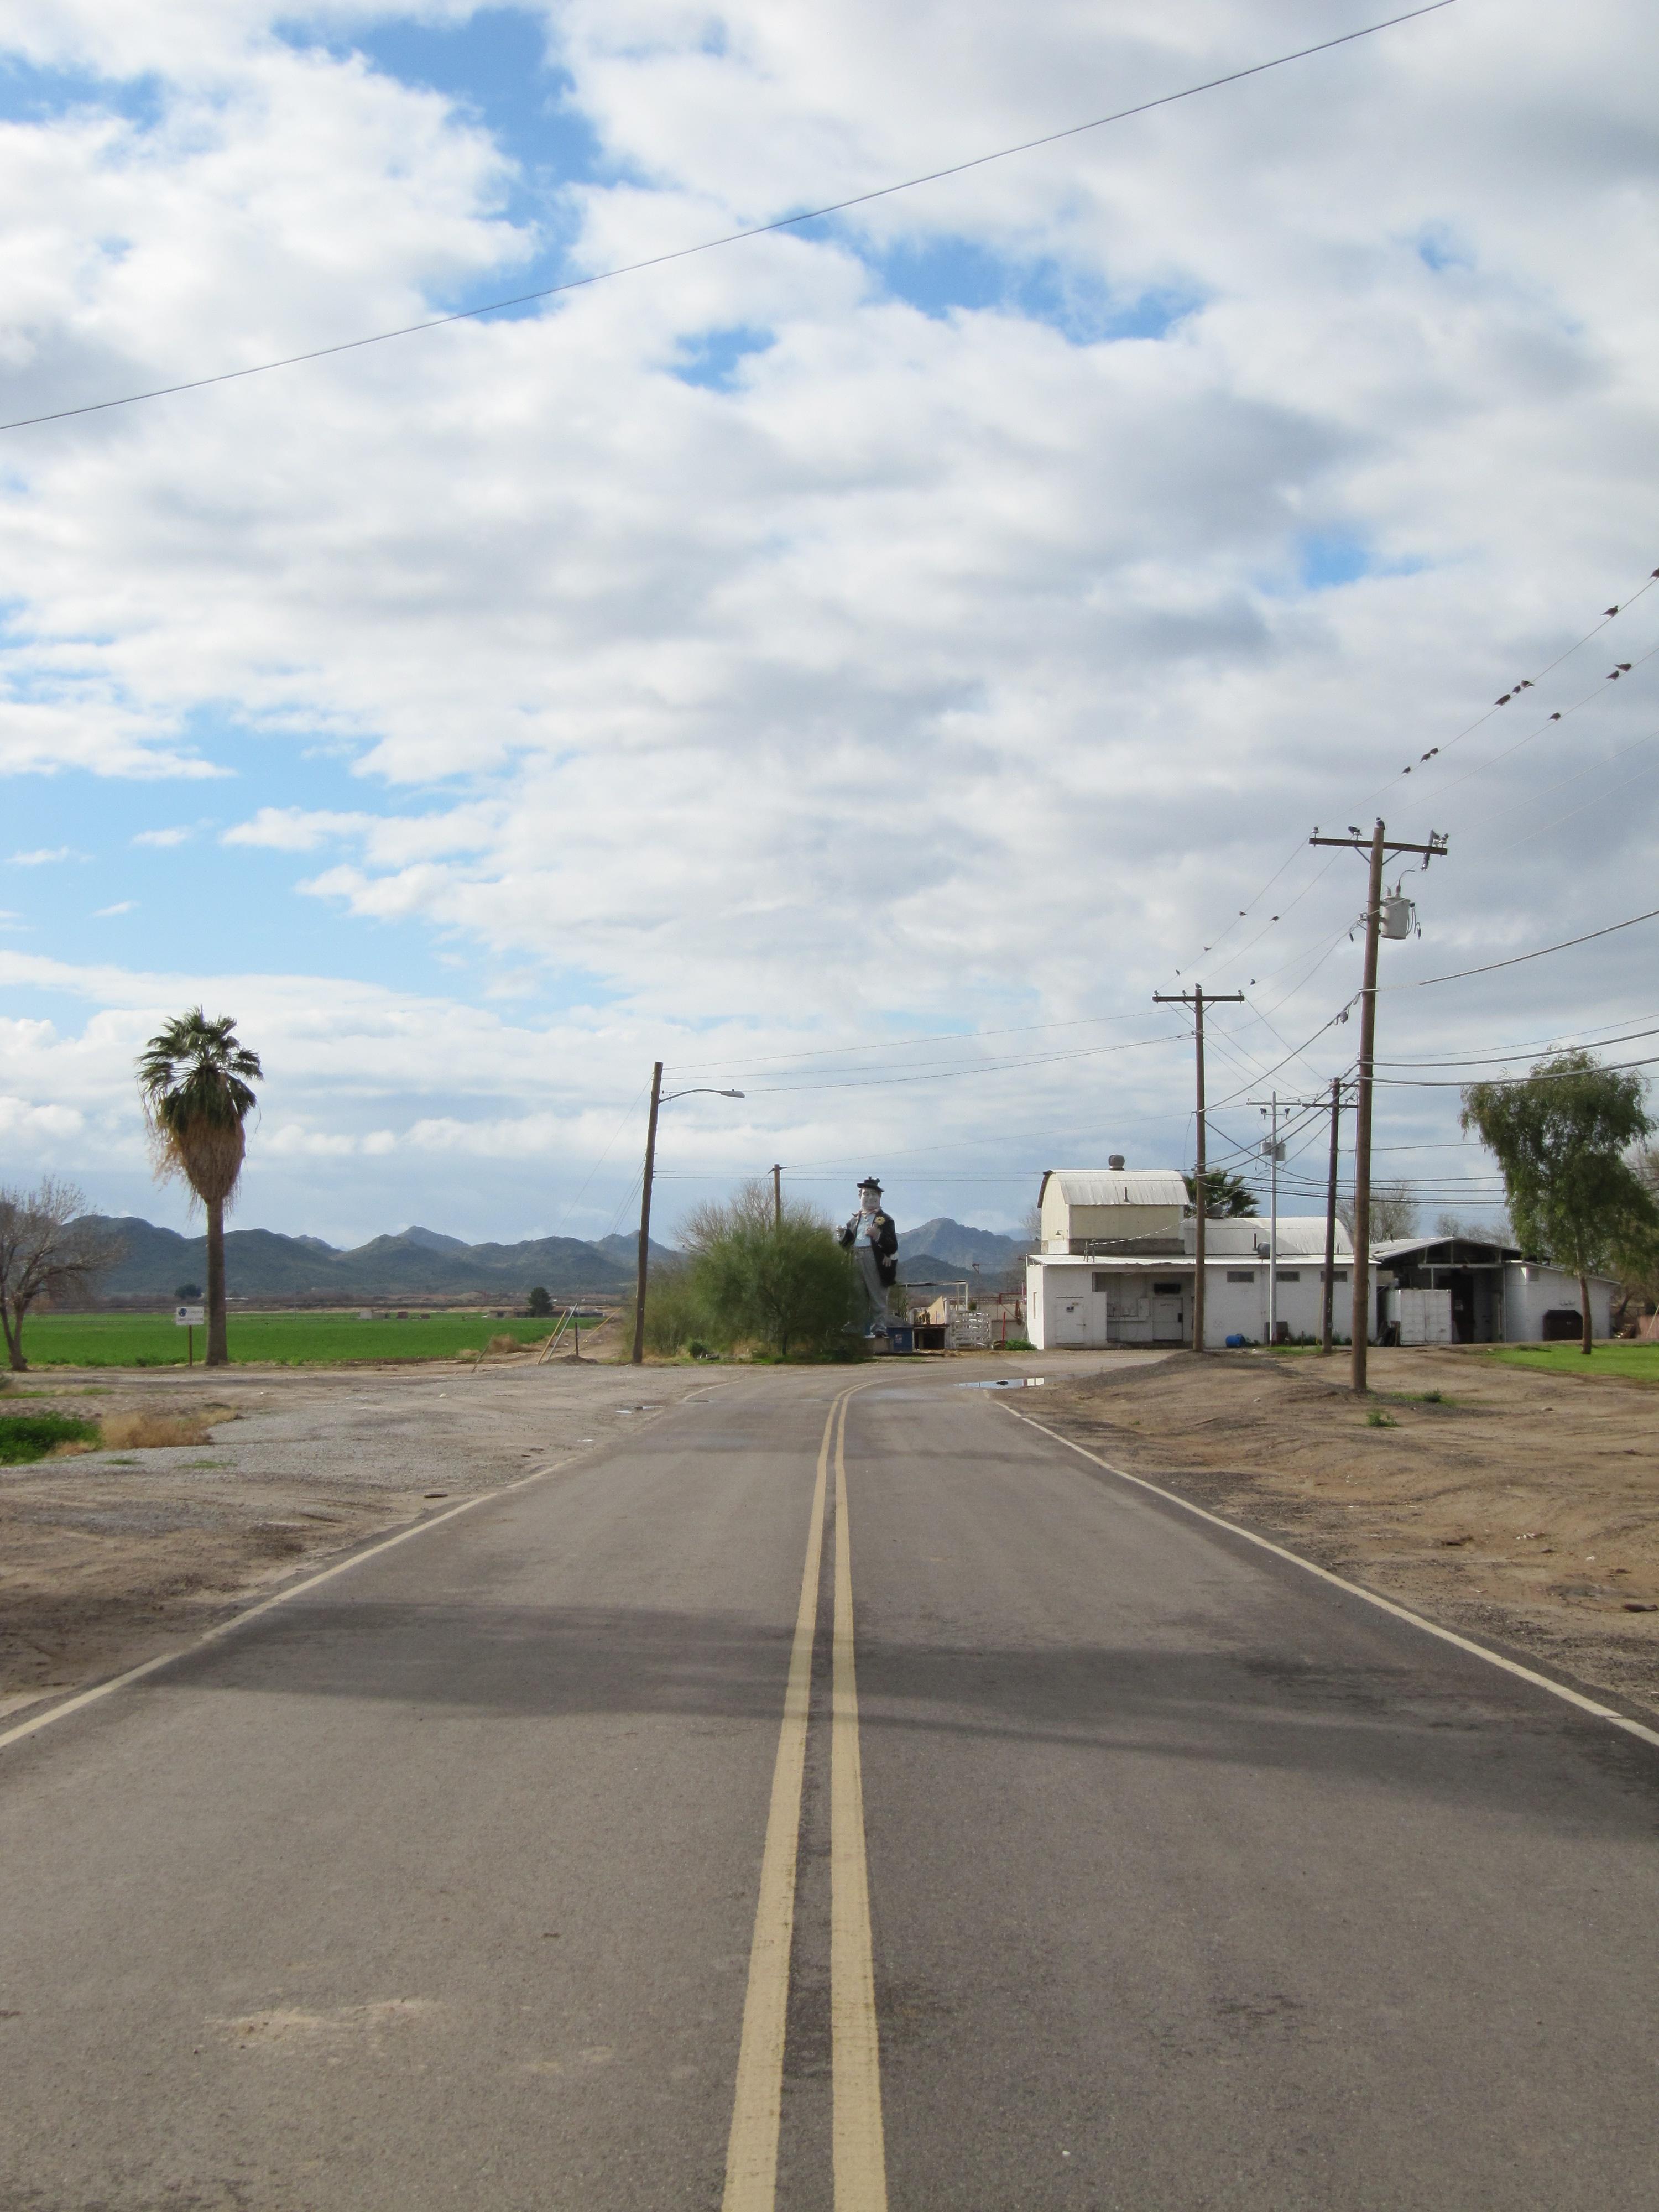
x=189 y=1316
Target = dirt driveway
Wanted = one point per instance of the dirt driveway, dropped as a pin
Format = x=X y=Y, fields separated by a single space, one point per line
x=1519 y=1508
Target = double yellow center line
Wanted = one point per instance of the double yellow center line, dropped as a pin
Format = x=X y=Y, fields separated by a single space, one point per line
x=751 y=2159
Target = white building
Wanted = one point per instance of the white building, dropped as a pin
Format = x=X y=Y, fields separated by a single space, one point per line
x=1117 y=1264
x=1460 y=1290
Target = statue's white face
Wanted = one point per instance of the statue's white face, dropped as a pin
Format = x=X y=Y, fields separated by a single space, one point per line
x=870 y=1200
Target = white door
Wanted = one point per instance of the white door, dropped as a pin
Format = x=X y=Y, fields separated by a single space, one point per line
x=1071 y=1321
x=1166 y=1314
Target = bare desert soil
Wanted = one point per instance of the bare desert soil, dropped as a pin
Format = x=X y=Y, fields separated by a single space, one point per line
x=108 y=1558
x=1521 y=1510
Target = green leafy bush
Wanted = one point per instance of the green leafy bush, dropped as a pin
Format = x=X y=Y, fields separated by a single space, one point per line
x=25 y=1437
x=779 y=1282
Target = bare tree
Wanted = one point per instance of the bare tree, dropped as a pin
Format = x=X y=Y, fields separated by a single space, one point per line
x=48 y=1250
x=1393 y=1212
x=1493 y=1229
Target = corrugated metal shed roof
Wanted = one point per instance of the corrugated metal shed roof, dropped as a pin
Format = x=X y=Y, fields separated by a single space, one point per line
x=1113 y=1187
x=1397 y=1247
x=1303 y=1237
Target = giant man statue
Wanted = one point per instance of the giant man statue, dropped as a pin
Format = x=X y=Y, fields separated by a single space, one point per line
x=873 y=1240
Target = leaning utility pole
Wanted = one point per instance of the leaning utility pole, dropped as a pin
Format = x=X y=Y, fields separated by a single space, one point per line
x=1379 y=847
x=1330 y=1224
x=1197 y=1000
x=777 y=1195
x=645 y=1214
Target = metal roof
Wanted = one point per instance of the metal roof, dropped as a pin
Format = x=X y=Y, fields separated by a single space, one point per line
x=1115 y=1187
x=1395 y=1248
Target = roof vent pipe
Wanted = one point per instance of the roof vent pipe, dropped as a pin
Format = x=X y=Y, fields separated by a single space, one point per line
x=1114 y=1160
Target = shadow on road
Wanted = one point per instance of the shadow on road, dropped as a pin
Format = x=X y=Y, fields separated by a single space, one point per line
x=1446 y=1730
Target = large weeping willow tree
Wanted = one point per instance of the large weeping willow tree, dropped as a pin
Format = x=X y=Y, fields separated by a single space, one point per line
x=196 y=1079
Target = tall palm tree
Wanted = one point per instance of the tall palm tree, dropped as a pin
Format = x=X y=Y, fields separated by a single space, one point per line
x=195 y=1077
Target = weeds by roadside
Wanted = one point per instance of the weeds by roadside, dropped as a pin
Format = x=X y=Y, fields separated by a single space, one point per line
x=27 y=1437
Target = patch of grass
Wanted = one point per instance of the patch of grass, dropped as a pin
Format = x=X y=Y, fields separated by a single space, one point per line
x=112 y=1340
x=1636 y=1362
x=27 y=1436
x=1377 y=1419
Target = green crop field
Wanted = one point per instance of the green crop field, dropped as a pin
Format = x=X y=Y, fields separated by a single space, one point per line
x=109 y=1339
x=1640 y=1361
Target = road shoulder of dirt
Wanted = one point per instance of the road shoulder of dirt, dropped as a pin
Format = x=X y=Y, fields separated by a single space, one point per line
x=113 y=1557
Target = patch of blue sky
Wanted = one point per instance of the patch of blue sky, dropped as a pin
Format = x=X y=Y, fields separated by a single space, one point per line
x=494 y=66
x=714 y=358
x=1439 y=249
x=201 y=905
x=1328 y=560
x=29 y=93
x=946 y=276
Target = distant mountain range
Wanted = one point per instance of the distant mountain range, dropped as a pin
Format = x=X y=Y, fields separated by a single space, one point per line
x=956 y=1245
x=417 y=1263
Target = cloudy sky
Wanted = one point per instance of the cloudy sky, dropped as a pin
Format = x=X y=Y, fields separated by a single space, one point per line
x=858 y=665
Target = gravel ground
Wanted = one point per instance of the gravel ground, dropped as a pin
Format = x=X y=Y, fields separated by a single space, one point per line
x=108 y=1558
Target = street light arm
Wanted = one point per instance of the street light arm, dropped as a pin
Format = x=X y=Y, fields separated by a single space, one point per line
x=643 y=1265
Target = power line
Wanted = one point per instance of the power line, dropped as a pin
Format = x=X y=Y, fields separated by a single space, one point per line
x=729 y=238
x=1577 y=706
x=1505 y=1082
x=1565 y=946
x=892 y=1044
x=1526 y=684
x=1500 y=1059
x=973 y=1067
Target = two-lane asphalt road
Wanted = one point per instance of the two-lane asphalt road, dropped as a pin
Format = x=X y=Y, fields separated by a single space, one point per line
x=830 y=1798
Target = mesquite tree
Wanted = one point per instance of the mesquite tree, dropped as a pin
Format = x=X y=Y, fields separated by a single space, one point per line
x=1560 y=1136
x=47 y=1250
x=195 y=1077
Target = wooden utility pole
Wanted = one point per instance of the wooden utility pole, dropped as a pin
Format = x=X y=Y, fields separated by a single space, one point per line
x=1330 y=1223
x=645 y=1215
x=777 y=1195
x=1197 y=999
x=1378 y=846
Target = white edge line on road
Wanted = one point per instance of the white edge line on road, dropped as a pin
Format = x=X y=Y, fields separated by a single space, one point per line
x=223 y=1628
x=1382 y=1604
x=84 y=1698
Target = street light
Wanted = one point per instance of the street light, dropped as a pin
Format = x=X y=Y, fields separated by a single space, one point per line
x=658 y=1101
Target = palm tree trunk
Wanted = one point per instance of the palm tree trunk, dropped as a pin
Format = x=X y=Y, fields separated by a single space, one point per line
x=1584 y=1305
x=217 y=1353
